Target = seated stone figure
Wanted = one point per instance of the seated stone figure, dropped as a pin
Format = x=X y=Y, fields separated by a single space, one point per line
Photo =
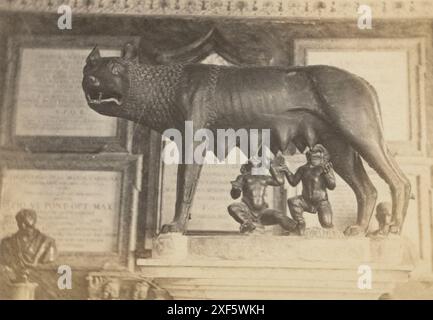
x=252 y=210
x=27 y=248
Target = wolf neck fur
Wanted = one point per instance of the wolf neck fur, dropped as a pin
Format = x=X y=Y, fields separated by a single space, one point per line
x=152 y=92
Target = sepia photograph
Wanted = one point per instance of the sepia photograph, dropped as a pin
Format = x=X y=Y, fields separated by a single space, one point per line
x=238 y=151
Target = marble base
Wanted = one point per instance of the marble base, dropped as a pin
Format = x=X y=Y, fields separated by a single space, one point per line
x=276 y=267
x=392 y=250
x=22 y=291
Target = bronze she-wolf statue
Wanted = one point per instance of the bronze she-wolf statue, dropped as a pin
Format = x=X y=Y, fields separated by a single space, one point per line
x=302 y=106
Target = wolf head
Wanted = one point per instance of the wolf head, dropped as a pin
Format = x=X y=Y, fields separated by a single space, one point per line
x=122 y=87
x=106 y=82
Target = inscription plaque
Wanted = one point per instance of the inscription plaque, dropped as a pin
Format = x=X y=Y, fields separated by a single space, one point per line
x=378 y=60
x=395 y=106
x=80 y=209
x=50 y=101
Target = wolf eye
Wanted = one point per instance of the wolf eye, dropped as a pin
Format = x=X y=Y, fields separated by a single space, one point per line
x=115 y=69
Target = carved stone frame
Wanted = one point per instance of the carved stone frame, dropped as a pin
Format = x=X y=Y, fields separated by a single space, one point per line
x=54 y=143
x=415 y=48
x=294 y=9
x=130 y=167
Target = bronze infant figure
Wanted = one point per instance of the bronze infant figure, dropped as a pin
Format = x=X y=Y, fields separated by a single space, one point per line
x=253 y=210
x=316 y=175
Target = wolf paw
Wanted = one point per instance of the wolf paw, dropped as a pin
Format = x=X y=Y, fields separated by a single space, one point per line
x=171 y=228
x=355 y=230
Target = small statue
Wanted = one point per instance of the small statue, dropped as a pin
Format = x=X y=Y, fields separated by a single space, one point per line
x=316 y=175
x=141 y=291
x=146 y=290
x=111 y=290
x=27 y=248
x=383 y=216
x=252 y=210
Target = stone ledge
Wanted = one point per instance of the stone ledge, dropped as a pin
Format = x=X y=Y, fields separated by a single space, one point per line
x=176 y=248
x=231 y=279
x=255 y=264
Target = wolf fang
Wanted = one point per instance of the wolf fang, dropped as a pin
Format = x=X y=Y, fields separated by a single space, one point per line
x=184 y=310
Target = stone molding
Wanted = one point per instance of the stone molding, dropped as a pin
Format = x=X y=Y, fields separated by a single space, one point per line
x=293 y=9
x=106 y=285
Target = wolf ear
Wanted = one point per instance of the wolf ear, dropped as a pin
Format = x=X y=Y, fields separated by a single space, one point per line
x=130 y=52
x=94 y=55
x=308 y=153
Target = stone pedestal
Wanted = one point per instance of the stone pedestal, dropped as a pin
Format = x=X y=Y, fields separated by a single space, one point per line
x=170 y=246
x=276 y=267
x=22 y=291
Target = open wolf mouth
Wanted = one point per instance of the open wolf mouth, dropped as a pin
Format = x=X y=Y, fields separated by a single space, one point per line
x=100 y=98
